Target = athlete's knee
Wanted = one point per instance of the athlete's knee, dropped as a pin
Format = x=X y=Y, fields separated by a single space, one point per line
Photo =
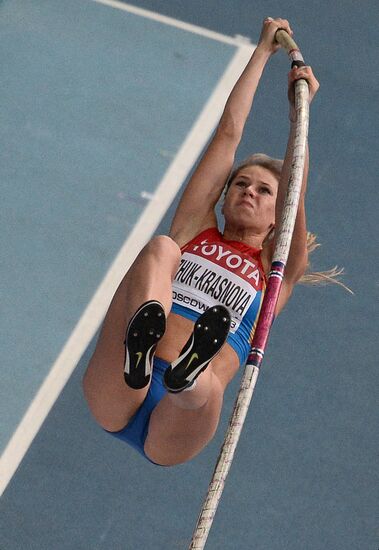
x=164 y=248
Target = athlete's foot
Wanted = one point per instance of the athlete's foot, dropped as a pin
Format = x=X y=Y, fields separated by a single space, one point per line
x=209 y=334
x=144 y=331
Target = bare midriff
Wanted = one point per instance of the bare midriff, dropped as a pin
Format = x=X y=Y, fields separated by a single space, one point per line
x=224 y=365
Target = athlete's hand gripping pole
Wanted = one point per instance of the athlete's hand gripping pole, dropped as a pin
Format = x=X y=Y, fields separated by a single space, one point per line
x=266 y=317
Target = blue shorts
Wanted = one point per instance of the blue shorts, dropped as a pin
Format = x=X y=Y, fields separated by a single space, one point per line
x=135 y=432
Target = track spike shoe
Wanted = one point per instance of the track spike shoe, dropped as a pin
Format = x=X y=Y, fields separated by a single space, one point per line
x=209 y=334
x=144 y=331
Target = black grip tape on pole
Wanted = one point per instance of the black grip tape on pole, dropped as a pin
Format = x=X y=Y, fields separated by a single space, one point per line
x=297 y=63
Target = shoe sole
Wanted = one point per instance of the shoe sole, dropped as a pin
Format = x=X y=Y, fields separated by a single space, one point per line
x=209 y=335
x=144 y=331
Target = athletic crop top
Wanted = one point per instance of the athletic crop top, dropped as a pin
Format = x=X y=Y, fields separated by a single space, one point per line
x=214 y=271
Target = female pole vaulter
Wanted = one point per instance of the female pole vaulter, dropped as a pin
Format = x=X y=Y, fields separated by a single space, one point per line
x=182 y=320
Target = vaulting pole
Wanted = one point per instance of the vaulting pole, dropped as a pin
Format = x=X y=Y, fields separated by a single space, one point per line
x=266 y=316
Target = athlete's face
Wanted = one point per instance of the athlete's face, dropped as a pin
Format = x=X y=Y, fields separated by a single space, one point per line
x=250 y=200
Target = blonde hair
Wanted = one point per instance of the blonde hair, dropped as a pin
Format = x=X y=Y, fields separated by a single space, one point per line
x=275 y=166
x=258 y=159
x=321 y=277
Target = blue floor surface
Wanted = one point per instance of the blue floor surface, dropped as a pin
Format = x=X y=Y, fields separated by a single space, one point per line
x=96 y=103
x=82 y=137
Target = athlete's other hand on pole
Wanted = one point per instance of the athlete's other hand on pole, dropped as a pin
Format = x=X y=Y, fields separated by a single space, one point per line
x=313 y=84
x=267 y=38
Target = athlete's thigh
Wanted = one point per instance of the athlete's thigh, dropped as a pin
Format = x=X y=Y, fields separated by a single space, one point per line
x=176 y=435
x=111 y=401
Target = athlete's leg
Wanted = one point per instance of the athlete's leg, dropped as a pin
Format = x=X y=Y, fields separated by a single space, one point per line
x=182 y=424
x=150 y=277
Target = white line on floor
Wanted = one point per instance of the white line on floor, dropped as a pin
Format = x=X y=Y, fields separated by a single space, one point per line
x=236 y=41
x=90 y=321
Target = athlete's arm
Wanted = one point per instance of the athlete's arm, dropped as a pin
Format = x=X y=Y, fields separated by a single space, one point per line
x=298 y=255
x=195 y=211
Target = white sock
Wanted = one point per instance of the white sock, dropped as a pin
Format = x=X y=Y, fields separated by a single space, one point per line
x=192 y=386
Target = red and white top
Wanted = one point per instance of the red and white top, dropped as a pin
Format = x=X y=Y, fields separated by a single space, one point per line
x=214 y=270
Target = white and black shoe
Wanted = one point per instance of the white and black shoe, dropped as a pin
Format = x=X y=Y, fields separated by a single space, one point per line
x=144 y=331
x=209 y=335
